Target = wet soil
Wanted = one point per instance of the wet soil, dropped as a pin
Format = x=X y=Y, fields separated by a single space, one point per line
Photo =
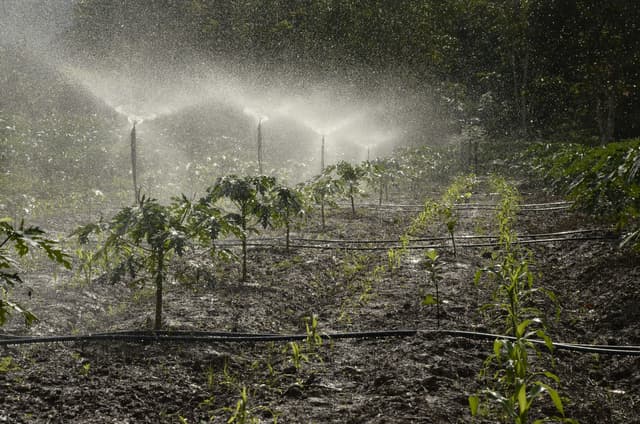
x=426 y=378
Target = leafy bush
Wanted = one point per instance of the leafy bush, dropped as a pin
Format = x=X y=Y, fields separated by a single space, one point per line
x=250 y=197
x=144 y=238
x=603 y=181
x=21 y=240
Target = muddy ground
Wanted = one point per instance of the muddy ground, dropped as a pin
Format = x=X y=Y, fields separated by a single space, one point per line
x=425 y=378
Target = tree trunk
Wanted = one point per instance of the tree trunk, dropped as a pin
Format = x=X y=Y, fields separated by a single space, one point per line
x=520 y=73
x=353 y=205
x=134 y=165
x=322 y=212
x=520 y=67
x=606 y=116
x=243 y=238
x=159 y=279
x=288 y=227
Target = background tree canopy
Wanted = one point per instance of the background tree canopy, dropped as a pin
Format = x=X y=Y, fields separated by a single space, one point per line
x=536 y=68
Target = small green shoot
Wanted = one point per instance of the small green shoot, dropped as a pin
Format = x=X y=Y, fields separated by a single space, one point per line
x=433 y=266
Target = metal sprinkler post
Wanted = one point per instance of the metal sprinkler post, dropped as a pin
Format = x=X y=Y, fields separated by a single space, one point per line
x=260 y=146
x=134 y=169
x=322 y=156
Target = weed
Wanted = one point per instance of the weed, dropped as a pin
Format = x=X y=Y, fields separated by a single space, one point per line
x=242 y=413
x=314 y=339
x=297 y=356
x=211 y=378
x=86 y=367
x=8 y=364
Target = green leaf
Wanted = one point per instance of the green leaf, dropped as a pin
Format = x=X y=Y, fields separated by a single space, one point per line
x=547 y=340
x=520 y=330
x=523 y=403
x=429 y=300
x=432 y=255
x=555 y=397
x=552 y=376
x=474 y=404
x=497 y=347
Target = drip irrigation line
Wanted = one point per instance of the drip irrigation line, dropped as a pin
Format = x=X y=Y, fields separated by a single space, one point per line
x=222 y=337
x=142 y=336
x=460 y=237
x=344 y=243
x=583 y=348
x=462 y=205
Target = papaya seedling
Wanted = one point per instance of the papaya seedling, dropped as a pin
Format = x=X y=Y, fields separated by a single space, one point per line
x=380 y=173
x=144 y=237
x=250 y=196
x=323 y=190
x=351 y=175
x=286 y=204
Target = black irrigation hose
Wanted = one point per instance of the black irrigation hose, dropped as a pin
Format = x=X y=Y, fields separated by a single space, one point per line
x=177 y=336
x=527 y=206
x=344 y=243
x=584 y=348
x=413 y=240
x=221 y=337
x=346 y=247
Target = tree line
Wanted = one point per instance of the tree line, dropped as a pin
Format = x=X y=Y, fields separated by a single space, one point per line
x=518 y=68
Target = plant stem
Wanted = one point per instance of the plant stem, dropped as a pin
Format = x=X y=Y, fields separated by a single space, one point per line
x=159 y=279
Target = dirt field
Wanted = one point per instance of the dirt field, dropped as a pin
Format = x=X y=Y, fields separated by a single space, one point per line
x=423 y=378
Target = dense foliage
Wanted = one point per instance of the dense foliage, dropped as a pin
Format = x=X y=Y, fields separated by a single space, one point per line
x=603 y=181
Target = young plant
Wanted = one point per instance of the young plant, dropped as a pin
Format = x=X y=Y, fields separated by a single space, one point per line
x=285 y=205
x=297 y=355
x=518 y=386
x=21 y=240
x=244 y=414
x=433 y=265
x=314 y=339
x=451 y=221
x=351 y=175
x=515 y=385
x=144 y=238
x=241 y=414
x=323 y=190
x=380 y=173
x=250 y=196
